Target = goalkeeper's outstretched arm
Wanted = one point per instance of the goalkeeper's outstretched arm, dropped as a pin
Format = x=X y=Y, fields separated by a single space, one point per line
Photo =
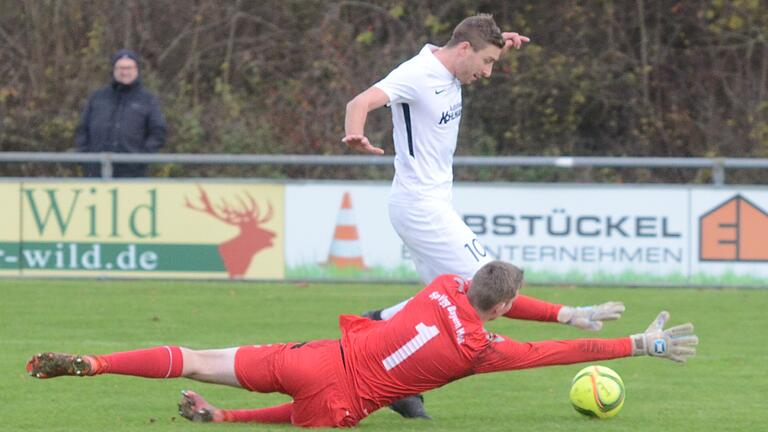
x=583 y=317
x=676 y=343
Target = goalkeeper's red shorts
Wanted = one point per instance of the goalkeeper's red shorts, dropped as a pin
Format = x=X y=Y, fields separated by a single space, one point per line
x=312 y=373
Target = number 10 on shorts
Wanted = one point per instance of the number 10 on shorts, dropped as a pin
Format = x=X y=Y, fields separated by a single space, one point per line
x=476 y=249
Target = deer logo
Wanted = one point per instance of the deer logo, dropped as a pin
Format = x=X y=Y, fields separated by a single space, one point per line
x=237 y=252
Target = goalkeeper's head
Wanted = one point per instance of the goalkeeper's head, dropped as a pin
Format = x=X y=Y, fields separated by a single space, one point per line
x=494 y=287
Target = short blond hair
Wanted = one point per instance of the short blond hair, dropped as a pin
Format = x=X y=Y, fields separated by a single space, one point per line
x=479 y=30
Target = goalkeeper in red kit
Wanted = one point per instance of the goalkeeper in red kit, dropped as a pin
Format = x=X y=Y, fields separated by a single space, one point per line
x=437 y=338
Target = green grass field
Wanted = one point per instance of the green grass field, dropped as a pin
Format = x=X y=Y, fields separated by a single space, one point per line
x=724 y=388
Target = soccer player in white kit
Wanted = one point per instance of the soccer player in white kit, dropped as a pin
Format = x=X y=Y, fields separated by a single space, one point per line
x=424 y=94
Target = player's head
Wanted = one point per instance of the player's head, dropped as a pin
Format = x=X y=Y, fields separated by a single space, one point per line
x=479 y=30
x=478 y=43
x=494 y=287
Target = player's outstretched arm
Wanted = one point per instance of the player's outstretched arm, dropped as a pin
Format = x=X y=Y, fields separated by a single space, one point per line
x=583 y=317
x=532 y=309
x=675 y=343
x=590 y=317
x=354 y=120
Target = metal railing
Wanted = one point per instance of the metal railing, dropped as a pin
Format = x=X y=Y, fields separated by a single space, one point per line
x=107 y=160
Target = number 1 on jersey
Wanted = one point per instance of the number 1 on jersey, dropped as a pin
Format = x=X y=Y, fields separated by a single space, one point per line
x=423 y=335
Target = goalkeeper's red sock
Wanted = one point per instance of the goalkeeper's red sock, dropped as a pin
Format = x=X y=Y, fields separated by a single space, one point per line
x=159 y=362
x=274 y=414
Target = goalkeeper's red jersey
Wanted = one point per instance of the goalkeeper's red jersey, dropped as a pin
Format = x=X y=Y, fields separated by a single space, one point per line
x=438 y=338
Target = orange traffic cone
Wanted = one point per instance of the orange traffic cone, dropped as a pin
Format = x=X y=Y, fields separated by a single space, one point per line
x=345 y=247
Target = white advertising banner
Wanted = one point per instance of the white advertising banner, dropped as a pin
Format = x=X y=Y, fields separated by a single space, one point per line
x=581 y=233
x=569 y=233
x=340 y=231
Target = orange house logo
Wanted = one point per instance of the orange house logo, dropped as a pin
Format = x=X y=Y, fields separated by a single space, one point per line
x=238 y=252
x=736 y=230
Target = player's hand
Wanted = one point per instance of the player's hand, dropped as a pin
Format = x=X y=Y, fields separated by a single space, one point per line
x=512 y=39
x=360 y=144
x=590 y=317
x=675 y=343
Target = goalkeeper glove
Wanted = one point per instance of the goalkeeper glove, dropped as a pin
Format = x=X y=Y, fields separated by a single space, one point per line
x=675 y=343
x=590 y=317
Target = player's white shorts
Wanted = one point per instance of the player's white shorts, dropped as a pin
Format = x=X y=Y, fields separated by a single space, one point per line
x=438 y=239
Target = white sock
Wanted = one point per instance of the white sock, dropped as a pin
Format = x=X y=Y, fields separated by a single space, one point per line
x=392 y=310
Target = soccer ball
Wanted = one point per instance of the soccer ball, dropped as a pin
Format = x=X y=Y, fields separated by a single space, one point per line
x=597 y=391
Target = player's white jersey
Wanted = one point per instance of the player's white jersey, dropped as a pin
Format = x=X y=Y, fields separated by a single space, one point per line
x=425 y=99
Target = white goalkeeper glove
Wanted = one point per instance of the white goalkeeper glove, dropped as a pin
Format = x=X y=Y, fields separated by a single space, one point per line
x=590 y=317
x=675 y=343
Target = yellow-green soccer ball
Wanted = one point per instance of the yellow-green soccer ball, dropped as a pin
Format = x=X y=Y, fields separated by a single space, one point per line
x=597 y=391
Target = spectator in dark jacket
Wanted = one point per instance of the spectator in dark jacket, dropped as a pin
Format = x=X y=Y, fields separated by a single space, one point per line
x=122 y=117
